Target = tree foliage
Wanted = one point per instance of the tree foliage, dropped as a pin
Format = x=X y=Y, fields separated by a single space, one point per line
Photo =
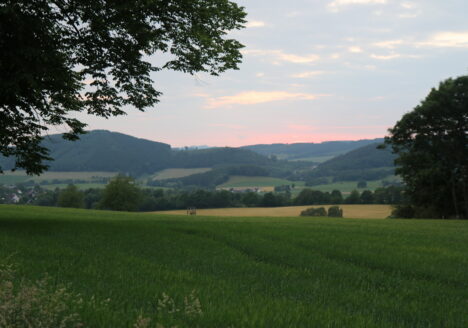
x=71 y=197
x=121 y=194
x=431 y=143
x=60 y=57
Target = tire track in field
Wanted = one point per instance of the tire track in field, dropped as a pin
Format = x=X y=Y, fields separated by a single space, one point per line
x=337 y=259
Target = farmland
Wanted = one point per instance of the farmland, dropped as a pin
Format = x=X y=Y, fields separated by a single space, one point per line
x=177 y=173
x=246 y=181
x=261 y=182
x=245 y=272
x=349 y=211
x=347 y=186
x=50 y=176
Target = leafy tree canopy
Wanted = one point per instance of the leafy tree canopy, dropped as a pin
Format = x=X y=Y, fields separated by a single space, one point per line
x=121 y=194
x=431 y=143
x=71 y=197
x=60 y=57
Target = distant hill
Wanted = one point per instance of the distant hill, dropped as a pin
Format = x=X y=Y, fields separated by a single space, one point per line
x=101 y=150
x=310 y=151
x=364 y=163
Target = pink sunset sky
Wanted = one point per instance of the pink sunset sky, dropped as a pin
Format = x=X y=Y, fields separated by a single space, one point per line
x=313 y=71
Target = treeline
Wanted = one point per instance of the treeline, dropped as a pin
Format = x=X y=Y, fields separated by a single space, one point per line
x=123 y=194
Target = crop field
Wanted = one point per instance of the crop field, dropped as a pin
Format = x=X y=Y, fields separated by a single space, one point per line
x=177 y=173
x=347 y=186
x=246 y=181
x=21 y=176
x=80 y=186
x=243 y=272
x=349 y=211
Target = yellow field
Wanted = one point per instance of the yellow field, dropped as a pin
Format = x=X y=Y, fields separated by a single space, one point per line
x=178 y=173
x=349 y=211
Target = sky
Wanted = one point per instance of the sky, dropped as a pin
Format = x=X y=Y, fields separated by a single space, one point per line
x=313 y=71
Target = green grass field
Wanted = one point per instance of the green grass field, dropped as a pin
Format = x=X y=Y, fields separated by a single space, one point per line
x=177 y=173
x=21 y=176
x=246 y=181
x=246 y=272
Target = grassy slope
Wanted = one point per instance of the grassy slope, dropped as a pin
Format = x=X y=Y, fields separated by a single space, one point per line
x=249 y=272
x=349 y=211
x=246 y=181
x=177 y=173
x=21 y=176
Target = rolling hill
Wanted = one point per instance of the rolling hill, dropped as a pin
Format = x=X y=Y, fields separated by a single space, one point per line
x=101 y=150
x=364 y=163
x=316 y=152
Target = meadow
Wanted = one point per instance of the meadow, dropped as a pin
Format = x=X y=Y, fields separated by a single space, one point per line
x=9 y=177
x=268 y=182
x=349 y=211
x=258 y=181
x=174 y=173
x=244 y=272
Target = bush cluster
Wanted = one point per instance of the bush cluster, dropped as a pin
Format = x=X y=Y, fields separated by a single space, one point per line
x=333 y=211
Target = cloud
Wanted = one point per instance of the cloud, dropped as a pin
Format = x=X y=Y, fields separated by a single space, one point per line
x=336 y=5
x=393 y=56
x=447 y=40
x=255 y=23
x=390 y=44
x=355 y=49
x=281 y=56
x=409 y=15
x=408 y=5
x=411 y=8
x=258 y=97
x=305 y=75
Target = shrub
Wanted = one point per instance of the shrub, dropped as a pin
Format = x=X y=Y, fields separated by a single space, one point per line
x=24 y=304
x=362 y=184
x=335 y=211
x=313 y=211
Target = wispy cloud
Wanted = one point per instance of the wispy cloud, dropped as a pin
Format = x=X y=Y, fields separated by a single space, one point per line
x=408 y=5
x=258 y=97
x=304 y=75
x=390 y=44
x=255 y=23
x=336 y=5
x=280 y=56
x=447 y=40
x=393 y=56
x=355 y=49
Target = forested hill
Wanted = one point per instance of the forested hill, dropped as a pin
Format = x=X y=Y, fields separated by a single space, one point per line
x=101 y=150
x=310 y=150
x=365 y=163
